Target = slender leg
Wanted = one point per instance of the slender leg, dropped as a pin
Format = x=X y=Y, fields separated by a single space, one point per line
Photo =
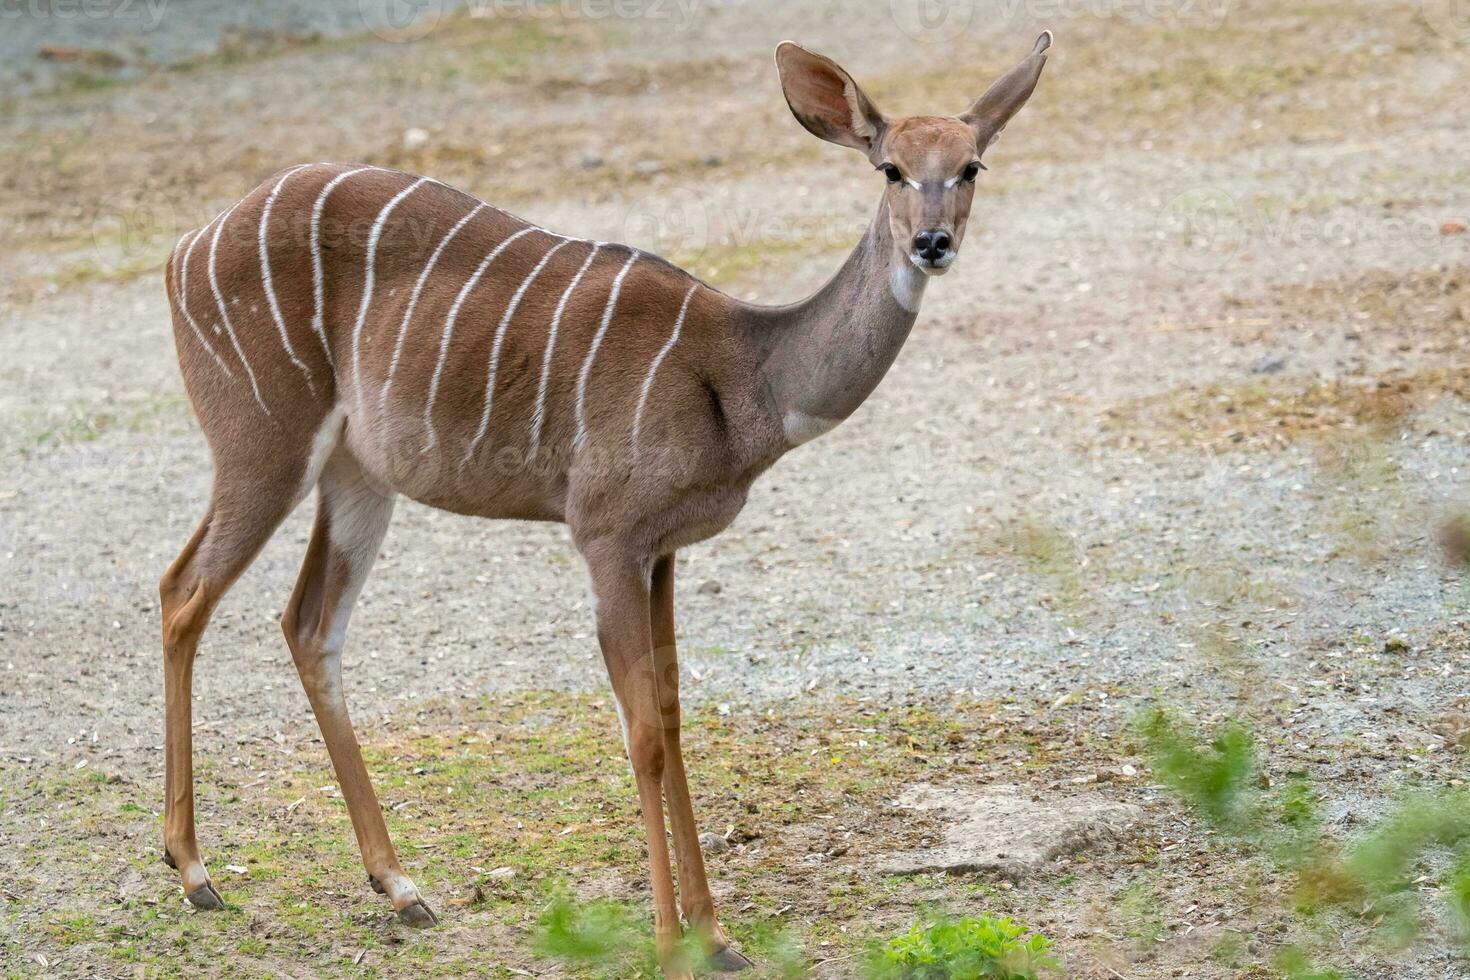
x=352 y=517
x=620 y=583
x=232 y=532
x=694 y=894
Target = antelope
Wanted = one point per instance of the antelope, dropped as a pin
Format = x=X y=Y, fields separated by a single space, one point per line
x=368 y=333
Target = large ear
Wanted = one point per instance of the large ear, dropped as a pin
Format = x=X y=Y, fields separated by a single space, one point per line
x=990 y=113
x=826 y=100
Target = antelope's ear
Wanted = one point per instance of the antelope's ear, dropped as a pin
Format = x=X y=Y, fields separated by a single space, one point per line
x=826 y=100
x=990 y=113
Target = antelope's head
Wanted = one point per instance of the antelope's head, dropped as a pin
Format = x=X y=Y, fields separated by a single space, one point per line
x=929 y=163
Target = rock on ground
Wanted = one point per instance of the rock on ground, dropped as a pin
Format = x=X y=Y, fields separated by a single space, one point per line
x=1007 y=829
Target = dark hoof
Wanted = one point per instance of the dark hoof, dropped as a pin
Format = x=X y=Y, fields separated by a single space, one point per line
x=418 y=915
x=206 y=898
x=376 y=885
x=729 y=960
x=168 y=859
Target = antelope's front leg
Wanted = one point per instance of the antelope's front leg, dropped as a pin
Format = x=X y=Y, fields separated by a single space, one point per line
x=620 y=582
x=694 y=894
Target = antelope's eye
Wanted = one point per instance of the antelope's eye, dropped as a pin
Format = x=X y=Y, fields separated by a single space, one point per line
x=891 y=172
x=971 y=172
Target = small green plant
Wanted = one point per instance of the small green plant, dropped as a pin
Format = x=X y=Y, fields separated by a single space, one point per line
x=1457 y=897
x=596 y=936
x=607 y=939
x=1293 y=964
x=963 y=949
x=1375 y=875
x=1214 y=778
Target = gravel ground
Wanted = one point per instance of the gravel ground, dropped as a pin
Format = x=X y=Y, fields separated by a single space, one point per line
x=1182 y=425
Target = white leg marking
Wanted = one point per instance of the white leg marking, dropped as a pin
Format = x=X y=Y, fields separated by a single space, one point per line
x=607 y=314
x=265 y=278
x=510 y=310
x=369 y=266
x=657 y=360
x=538 y=414
x=449 y=331
x=413 y=298
x=224 y=316
x=358 y=517
x=327 y=436
x=623 y=724
x=182 y=285
x=316 y=259
x=906 y=283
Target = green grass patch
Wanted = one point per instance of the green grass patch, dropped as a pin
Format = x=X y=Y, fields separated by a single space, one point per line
x=962 y=949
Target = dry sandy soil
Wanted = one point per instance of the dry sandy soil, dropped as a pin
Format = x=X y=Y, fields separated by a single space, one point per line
x=1180 y=428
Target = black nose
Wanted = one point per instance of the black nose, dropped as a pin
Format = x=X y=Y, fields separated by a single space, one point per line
x=931 y=245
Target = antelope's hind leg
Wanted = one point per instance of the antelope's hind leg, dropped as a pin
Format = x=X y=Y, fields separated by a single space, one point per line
x=352 y=517
x=241 y=517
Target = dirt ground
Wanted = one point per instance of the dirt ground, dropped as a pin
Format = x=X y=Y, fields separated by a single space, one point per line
x=1180 y=428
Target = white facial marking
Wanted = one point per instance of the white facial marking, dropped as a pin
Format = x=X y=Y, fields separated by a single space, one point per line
x=607 y=314
x=413 y=298
x=906 y=283
x=800 y=427
x=182 y=287
x=657 y=360
x=369 y=266
x=510 y=310
x=538 y=414
x=265 y=279
x=449 y=332
x=913 y=183
x=316 y=258
x=224 y=315
x=952 y=181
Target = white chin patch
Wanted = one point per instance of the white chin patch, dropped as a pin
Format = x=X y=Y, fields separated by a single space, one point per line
x=906 y=282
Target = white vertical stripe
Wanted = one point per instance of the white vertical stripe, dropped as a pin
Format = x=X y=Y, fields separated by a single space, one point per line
x=607 y=313
x=183 y=298
x=265 y=278
x=369 y=269
x=413 y=299
x=657 y=360
x=224 y=315
x=510 y=310
x=538 y=414
x=316 y=259
x=449 y=332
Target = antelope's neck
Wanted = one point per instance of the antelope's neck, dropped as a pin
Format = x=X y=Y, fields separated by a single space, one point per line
x=822 y=357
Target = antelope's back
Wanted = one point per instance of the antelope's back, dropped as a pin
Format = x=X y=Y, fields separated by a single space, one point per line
x=473 y=356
